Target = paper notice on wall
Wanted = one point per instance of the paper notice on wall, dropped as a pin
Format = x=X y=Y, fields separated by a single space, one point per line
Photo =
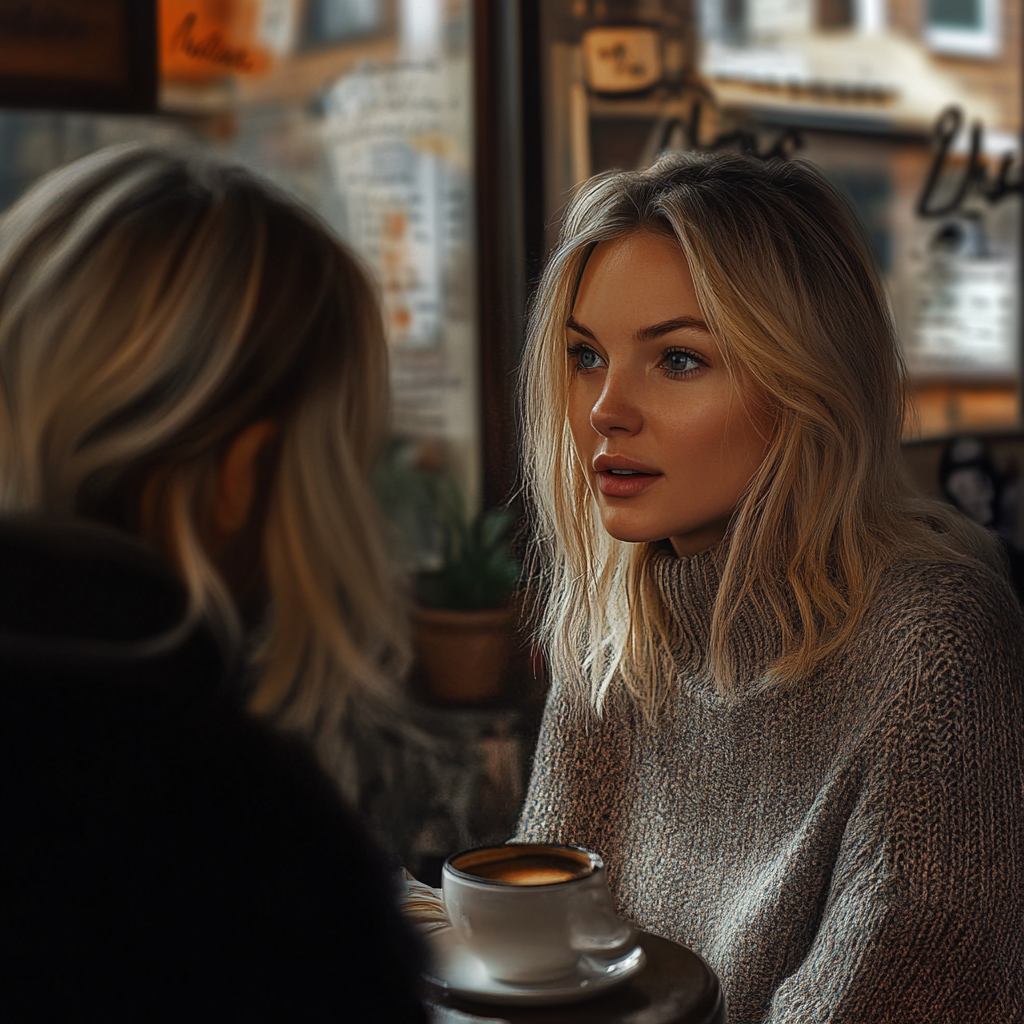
x=397 y=140
x=966 y=317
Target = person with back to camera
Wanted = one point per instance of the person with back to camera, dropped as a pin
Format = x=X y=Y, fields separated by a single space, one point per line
x=786 y=694
x=192 y=387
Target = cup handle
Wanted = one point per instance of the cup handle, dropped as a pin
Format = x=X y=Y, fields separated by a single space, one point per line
x=598 y=932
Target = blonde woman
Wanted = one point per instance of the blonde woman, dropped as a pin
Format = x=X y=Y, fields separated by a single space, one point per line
x=192 y=388
x=786 y=695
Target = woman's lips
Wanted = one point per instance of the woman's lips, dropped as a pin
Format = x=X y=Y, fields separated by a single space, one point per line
x=625 y=485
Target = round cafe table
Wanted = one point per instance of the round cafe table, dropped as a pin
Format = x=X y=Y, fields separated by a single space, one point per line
x=675 y=987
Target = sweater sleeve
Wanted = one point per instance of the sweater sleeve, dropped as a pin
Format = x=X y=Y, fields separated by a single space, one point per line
x=924 y=919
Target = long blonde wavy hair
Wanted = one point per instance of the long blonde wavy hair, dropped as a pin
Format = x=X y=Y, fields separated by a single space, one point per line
x=789 y=289
x=152 y=306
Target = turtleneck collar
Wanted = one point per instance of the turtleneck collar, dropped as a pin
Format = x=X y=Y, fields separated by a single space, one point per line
x=688 y=584
x=689 y=587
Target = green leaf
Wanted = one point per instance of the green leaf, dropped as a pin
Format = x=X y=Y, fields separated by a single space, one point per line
x=478 y=569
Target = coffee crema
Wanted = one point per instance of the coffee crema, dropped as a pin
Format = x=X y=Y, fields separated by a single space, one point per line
x=531 y=869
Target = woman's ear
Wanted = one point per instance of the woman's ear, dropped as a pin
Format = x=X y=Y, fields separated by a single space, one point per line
x=236 y=478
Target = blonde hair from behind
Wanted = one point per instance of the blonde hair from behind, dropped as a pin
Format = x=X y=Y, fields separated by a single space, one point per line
x=153 y=306
x=789 y=289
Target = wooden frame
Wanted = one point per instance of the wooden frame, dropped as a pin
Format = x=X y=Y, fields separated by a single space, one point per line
x=499 y=237
x=510 y=218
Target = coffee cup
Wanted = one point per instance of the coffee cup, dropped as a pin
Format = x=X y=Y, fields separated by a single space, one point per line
x=530 y=911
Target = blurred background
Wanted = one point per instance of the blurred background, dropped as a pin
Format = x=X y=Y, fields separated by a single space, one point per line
x=440 y=139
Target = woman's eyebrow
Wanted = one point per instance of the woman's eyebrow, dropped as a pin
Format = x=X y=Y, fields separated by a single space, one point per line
x=573 y=324
x=679 y=323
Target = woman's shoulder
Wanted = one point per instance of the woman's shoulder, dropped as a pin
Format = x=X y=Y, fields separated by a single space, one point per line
x=933 y=589
x=962 y=616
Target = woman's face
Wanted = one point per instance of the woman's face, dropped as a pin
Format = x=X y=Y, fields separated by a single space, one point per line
x=668 y=442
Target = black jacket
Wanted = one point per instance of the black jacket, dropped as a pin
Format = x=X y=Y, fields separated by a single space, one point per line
x=163 y=856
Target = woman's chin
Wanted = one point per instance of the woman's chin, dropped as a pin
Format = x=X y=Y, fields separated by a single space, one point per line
x=632 y=533
x=685 y=538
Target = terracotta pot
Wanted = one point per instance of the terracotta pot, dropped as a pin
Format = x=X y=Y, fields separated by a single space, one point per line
x=463 y=653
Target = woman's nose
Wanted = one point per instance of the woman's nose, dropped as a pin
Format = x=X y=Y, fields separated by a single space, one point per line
x=617 y=410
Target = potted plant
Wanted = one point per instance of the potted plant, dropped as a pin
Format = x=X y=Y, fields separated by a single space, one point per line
x=462 y=619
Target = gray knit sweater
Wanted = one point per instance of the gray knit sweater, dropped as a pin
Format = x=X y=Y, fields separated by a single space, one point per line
x=849 y=851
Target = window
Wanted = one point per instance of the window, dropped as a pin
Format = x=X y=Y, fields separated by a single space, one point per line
x=964 y=28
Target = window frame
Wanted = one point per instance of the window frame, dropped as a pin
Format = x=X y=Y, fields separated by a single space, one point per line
x=984 y=42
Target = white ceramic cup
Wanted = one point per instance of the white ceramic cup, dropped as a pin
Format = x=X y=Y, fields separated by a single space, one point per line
x=529 y=912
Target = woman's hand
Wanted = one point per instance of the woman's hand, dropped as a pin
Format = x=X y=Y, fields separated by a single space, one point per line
x=421 y=904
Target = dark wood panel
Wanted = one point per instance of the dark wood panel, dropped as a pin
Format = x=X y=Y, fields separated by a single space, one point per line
x=500 y=256
x=70 y=55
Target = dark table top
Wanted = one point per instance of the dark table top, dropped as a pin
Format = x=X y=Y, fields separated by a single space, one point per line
x=675 y=987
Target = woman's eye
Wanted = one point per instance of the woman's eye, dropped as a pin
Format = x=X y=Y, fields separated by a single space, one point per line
x=680 y=362
x=584 y=357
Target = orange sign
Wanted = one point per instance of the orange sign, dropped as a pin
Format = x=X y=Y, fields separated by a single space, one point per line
x=203 y=40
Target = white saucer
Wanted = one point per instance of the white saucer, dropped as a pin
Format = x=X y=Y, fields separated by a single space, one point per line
x=456 y=970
